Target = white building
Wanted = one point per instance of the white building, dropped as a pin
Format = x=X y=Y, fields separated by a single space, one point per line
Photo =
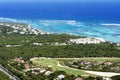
x=86 y=41
x=37 y=44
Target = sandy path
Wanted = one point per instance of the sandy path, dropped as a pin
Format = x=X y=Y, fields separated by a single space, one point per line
x=104 y=74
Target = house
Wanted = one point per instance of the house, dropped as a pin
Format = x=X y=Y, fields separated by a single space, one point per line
x=37 y=44
x=42 y=70
x=116 y=69
x=89 y=63
x=26 y=65
x=60 y=77
x=47 y=73
x=13 y=45
x=78 y=78
x=38 y=70
x=108 y=63
x=19 y=60
x=86 y=63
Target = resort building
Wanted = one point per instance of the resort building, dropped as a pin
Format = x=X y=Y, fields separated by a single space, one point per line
x=86 y=41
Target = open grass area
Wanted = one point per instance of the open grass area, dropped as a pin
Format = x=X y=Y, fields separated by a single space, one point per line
x=4 y=76
x=101 y=60
x=54 y=65
x=98 y=59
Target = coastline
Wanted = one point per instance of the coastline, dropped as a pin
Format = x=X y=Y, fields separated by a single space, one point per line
x=50 y=27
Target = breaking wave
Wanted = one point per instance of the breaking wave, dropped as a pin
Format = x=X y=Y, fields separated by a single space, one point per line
x=2 y=19
x=110 y=24
x=89 y=29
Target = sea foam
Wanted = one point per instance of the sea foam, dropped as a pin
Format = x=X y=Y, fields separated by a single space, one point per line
x=89 y=29
x=110 y=24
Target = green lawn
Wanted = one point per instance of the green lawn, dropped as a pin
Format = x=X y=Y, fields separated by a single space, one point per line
x=4 y=76
x=98 y=59
x=102 y=59
x=54 y=64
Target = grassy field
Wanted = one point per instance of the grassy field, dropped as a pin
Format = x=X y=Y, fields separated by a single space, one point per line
x=98 y=59
x=101 y=60
x=53 y=63
x=4 y=76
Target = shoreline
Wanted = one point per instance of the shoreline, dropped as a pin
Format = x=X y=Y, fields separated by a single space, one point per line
x=71 y=22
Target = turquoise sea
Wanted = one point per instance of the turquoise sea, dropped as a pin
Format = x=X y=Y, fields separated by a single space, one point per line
x=85 y=19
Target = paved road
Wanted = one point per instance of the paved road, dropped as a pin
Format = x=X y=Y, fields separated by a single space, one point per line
x=5 y=71
x=104 y=74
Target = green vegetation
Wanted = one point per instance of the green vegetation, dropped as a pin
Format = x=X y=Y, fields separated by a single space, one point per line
x=54 y=64
x=95 y=64
x=64 y=51
x=30 y=39
x=98 y=59
x=4 y=77
x=116 y=77
x=27 y=50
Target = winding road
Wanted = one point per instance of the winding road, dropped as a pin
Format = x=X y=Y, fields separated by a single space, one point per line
x=104 y=74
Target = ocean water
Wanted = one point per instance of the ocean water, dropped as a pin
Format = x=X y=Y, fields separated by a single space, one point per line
x=85 y=19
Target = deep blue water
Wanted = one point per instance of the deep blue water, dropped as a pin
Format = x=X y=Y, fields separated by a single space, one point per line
x=68 y=10
x=91 y=19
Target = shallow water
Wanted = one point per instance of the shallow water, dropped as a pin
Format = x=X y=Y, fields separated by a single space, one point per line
x=108 y=31
x=92 y=19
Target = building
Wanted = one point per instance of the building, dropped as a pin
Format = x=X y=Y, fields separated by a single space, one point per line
x=26 y=65
x=86 y=41
x=78 y=78
x=47 y=73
